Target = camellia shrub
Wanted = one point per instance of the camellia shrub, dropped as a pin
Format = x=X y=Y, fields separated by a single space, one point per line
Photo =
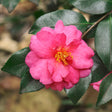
x=59 y=58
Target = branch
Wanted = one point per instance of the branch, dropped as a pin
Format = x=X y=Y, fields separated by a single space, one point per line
x=103 y=17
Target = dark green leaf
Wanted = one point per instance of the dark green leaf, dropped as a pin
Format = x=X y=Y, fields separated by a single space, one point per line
x=68 y=17
x=9 y=4
x=38 y=13
x=79 y=89
x=103 y=42
x=105 y=93
x=98 y=70
x=35 y=1
x=92 y=20
x=93 y=6
x=91 y=33
x=28 y=84
x=16 y=63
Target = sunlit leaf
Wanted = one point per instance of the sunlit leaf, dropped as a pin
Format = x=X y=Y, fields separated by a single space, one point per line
x=50 y=20
x=93 y=6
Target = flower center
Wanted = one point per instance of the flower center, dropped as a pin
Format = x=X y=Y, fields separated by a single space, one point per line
x=63 y=56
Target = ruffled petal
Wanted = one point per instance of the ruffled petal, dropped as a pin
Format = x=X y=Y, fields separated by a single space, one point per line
x=85 y=73
x=68 y=85
x=82 y=56
x=60 y=72
x=39 y=71
x=72 y=34
x=59 y=27
x=43 y=49
x=56 y=86
x=45 y=43
x=48 y=30
x=31 y=58
x=60 y=40
x=73 y=75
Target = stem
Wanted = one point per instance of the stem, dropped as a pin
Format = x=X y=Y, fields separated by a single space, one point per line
x=85 y=33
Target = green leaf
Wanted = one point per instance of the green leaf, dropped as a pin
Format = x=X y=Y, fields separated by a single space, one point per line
x=16 y=63
x=98 y=70
x=103 y=42
x=93 y=19
x=105 y=93
x=38 y=13
x=68 y=17
x=93 y=6
x=79 y=89
x=28 y=84
x=9 y=4
x=35 y=1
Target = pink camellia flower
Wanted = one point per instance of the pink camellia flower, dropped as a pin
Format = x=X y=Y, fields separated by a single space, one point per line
x=96 y=85
x=59 y=57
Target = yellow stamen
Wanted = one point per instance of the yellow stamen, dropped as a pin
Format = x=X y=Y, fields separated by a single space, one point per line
x=62 y=55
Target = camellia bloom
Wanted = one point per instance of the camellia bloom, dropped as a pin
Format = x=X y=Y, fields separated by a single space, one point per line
x=96 y=85
x=59 y=57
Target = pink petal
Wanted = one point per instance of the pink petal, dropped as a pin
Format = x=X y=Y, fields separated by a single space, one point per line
x=31 y=58
x=56 y=86
x=39 y=71
x=96 y=85
x=51 y=64
x=60 y=72
x=48 y=29
x=45 y=43
x=84 y=73
x=59 y=26
x=72 y=34
x=82 y=56
x=73 y=75
x=68 y=85
x=41 y=48
x=60 y=40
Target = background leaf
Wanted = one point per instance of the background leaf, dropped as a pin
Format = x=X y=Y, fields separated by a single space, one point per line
x=105 y=93
x=103 y=42
x=28 y=84
x=79 y=89
x=50 y=20
x=99 y=70
x=16 y=63
x=93 y=19
x=35 y=1
x=93 y=6
x=9 y=4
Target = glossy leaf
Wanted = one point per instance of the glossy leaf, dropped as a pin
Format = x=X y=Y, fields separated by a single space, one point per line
x=67 y=16
x=79 y=89
x=9 y=4
x=28 y=84
x=93 y=6
x=105 y=93
x=103 y=42
x=16 y=63
x=99 y=70
x=93 y=19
